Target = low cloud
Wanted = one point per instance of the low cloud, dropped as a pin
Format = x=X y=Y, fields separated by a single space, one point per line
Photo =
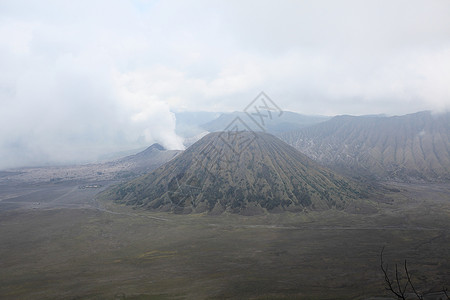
x=78 y=80
x=70 y=113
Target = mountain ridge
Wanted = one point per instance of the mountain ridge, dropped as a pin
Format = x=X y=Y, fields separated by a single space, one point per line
x=243 y=172
x=409 y=147
x=286 y=122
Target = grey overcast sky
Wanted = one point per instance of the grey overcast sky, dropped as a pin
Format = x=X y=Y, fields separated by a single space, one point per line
x=78 y=78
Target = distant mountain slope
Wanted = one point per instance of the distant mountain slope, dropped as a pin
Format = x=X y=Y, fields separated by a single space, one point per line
x=147 y=160
x=409 y=147
x=241 y=173
x=123 y=168
x=288 y=121
x=188 y=124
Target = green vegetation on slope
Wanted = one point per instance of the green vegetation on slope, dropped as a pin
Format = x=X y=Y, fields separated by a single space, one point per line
x=246 y=173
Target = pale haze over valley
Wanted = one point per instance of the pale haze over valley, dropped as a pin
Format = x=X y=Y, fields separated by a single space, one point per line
x=81 y=79
x=222 y=149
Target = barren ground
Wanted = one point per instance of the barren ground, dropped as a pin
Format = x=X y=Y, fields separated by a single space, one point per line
x=58 y=242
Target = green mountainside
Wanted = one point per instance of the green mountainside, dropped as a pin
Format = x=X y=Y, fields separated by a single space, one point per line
x=244 y=172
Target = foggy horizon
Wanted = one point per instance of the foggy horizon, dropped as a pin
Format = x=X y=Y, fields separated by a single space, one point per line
x=82 y=79
x=225 y=149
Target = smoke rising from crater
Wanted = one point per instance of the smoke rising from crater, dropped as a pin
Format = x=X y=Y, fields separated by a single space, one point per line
x=78 y=79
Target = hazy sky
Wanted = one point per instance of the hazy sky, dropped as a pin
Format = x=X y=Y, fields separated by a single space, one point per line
x=78 y=78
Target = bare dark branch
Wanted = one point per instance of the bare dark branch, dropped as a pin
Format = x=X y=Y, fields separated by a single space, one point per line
x=395 y=285
x=444 y=290
x=388 y=280
x=420 y=297
x=397 y=279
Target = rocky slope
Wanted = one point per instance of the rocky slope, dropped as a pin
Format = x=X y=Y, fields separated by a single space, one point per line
x=409 y=147
x=244 y=173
